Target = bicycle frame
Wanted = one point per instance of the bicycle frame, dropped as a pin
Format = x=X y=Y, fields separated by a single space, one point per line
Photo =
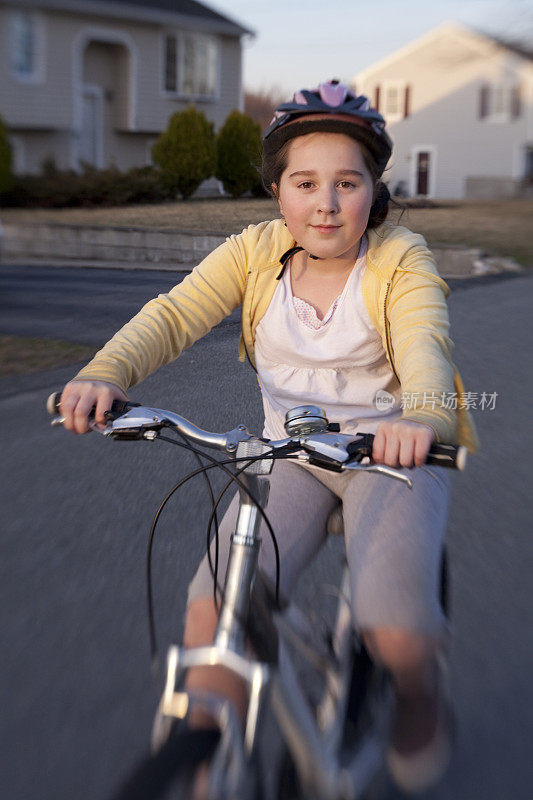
x=312 y=734
x=313 y=743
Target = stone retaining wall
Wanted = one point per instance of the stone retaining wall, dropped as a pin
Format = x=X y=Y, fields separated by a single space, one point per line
x=73 y=243
x=169 y=249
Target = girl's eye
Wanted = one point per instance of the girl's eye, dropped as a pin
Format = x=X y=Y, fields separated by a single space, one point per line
x=305 y=185
x=346 y=185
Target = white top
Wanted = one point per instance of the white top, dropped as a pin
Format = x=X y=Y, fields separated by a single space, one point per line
x=339 y=365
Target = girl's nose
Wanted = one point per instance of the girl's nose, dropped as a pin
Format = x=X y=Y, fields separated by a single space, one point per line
x=327 y=201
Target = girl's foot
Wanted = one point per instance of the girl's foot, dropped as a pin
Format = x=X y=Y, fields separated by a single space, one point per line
x=200 y=782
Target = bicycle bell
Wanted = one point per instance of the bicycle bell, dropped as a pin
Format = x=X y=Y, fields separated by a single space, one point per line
x=303 y=420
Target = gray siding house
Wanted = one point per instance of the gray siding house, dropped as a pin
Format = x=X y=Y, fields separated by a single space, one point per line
x=95 y=81
x=459 y=107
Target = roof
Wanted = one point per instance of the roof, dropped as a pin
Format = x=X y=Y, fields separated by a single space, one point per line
x=520 y=48
x=178 y=12
x=446 y=29
x=190 y=8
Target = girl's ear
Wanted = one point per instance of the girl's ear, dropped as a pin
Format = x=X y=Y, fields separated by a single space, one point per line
x=275 y=192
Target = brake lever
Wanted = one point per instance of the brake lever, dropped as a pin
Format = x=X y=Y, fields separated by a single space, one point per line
x=93 y=426
x=381 y=469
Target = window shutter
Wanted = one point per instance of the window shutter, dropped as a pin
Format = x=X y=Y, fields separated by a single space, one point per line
x=170 y=64
x=407 y=102
x=376 y=98
x=516 y=102
x=483 y=102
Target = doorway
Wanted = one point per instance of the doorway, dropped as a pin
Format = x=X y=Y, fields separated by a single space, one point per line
x=423 y=160
x=92 y=129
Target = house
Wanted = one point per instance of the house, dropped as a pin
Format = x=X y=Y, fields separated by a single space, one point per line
x=96 y=81
x=459 y=107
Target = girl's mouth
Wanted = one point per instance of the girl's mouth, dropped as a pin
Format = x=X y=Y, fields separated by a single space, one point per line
x=326 y=228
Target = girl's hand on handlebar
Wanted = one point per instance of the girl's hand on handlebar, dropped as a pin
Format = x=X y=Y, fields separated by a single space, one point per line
x=402 y=443
x=79 y=398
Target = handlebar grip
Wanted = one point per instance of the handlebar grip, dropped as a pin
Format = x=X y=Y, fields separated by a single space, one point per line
x=118 y=408
x=52 y=404
x=447 y=455
x=440 y=455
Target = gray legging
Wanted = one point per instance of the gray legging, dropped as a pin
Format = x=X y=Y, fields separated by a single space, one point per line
x=393 y=538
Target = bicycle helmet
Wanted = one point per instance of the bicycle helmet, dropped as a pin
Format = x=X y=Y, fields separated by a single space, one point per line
x=334 y=108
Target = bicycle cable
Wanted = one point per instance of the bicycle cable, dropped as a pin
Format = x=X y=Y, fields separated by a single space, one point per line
x=233 y=479
x=282 y=453
x=274 y=456
x=212 y=569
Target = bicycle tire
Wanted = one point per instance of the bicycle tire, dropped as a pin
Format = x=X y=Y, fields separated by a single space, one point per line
x=367 y=693
x=175 y=762
x=444 y=587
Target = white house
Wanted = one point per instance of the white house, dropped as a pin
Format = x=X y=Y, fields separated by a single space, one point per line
x=96 y=80
x=459 y=107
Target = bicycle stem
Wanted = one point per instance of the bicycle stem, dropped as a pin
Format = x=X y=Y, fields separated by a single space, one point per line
x=244 y=551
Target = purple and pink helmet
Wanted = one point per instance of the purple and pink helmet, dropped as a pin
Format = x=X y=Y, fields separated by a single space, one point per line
x=334 y=108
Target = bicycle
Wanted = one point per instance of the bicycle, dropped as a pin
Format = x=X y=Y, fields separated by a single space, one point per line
x=328 y=750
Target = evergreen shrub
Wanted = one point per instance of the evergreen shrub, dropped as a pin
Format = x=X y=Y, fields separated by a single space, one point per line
x=56 y=188
x=239 y=154
x=185 y=152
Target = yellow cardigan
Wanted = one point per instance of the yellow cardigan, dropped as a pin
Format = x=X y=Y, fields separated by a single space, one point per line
x=402 y=291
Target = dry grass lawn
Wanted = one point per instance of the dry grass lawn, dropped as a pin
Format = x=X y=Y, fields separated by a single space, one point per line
x=499 y=227
x=21 y=355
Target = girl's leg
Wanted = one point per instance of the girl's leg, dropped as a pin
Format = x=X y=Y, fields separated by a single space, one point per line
x=411 y=660
x=394 y=539
x=298 y=509
x=200 y=624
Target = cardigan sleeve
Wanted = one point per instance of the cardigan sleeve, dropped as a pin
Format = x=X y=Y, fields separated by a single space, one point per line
x=419 y=328
x=172 y=322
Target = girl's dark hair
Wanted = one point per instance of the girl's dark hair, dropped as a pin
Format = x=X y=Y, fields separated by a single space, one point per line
x=274 y=164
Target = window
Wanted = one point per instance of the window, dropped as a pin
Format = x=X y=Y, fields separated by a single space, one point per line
x=25 y=39
x=392 y=101
x=191 y=65
x=500 y=102
x=395 y=99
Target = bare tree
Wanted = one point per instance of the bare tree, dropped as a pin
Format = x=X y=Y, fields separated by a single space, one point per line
x=260 y=104
x=514 y=25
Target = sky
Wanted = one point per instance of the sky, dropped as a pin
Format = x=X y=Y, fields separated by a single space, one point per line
x=300 y=43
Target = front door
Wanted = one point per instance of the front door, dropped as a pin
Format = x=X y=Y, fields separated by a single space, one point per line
x=528 y=174
x=92 y=131
x=422 y=177
x=422 y=173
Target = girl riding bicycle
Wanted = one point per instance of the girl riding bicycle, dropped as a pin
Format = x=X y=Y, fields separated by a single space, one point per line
x=346 y=311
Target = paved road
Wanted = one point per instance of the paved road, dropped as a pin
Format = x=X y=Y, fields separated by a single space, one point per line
x=82 y=305
x=76 y=686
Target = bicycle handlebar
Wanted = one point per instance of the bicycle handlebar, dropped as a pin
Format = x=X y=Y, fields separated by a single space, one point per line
x=132 y=421
x=333 y=451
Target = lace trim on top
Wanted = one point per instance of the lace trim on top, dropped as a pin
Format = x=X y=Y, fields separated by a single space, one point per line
x=307 y=314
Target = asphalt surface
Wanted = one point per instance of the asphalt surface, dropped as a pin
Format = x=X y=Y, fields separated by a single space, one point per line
x=77 y=694
x=81 y=305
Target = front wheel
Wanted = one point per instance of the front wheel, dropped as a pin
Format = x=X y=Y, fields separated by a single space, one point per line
x=173 y=771
x=169 y=772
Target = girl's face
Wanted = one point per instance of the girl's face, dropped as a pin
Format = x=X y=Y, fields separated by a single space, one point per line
x=325 y=194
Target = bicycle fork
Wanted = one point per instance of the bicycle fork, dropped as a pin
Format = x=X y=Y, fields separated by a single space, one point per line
x=228 y=648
